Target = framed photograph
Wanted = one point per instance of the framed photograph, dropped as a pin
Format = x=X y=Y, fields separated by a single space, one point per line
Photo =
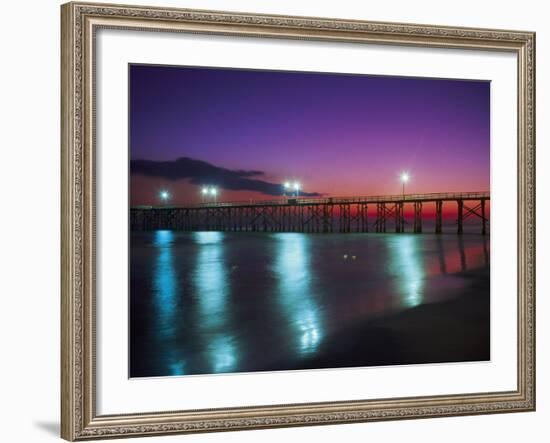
x=282 y=221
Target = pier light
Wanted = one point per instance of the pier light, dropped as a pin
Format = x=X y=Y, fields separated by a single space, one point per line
x=204 y=192
x=405 y=177
x=296 y=186
x=209 y=192
x=164 y=195
x=214 y=193
x=286 y=187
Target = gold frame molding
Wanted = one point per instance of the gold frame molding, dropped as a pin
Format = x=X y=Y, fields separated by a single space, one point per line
x=79 y=22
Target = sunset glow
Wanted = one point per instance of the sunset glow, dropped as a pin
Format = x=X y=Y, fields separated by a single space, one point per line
x=250 y=134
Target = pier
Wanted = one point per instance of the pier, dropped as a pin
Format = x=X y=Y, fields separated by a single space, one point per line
x=383 y=213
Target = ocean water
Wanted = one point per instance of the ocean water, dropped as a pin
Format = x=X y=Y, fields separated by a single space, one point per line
x=222 y=302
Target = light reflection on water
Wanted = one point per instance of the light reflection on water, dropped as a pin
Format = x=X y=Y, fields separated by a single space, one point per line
x=165 y=285
x=211 y=294
x=210 y=279
x=296 y=294
x=407 y=267
x=166 y=293
x=214 y=302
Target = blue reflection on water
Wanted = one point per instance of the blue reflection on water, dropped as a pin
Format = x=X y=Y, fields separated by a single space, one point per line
x=177 y=368
x=223 y=353
x=293 y=271
x=164 y=280
x=166 y=295
x=210 y=279
x=408 y=267
x=212 y=290
x=208 y=237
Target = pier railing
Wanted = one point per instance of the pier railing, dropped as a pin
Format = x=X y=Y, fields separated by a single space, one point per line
x=312 y=214
x=425 y=197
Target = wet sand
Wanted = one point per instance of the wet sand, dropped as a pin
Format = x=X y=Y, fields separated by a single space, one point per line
x=456 y=330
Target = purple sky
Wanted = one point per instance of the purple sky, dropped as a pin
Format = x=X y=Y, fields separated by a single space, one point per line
x=337 y=134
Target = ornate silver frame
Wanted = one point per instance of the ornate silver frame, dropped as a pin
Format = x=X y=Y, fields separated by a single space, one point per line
x=80 y=21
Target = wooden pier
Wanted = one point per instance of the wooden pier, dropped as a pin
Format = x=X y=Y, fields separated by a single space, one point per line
x=331 y=214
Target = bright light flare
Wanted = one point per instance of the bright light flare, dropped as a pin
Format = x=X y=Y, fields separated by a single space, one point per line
x=296 y=186
x=164 y=195
x=405 y=177
x=213 y=191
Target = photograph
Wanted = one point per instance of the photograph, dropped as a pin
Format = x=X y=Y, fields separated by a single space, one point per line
x=290 y=217
x=290 y=220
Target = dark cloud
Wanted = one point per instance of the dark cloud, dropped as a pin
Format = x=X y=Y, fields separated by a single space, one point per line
x=200 y=172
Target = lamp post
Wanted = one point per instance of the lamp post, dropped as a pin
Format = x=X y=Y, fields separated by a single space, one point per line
x=286 y=187
x=204 y=193
x=296 y=187
x=404 y=179
x=214 y=193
